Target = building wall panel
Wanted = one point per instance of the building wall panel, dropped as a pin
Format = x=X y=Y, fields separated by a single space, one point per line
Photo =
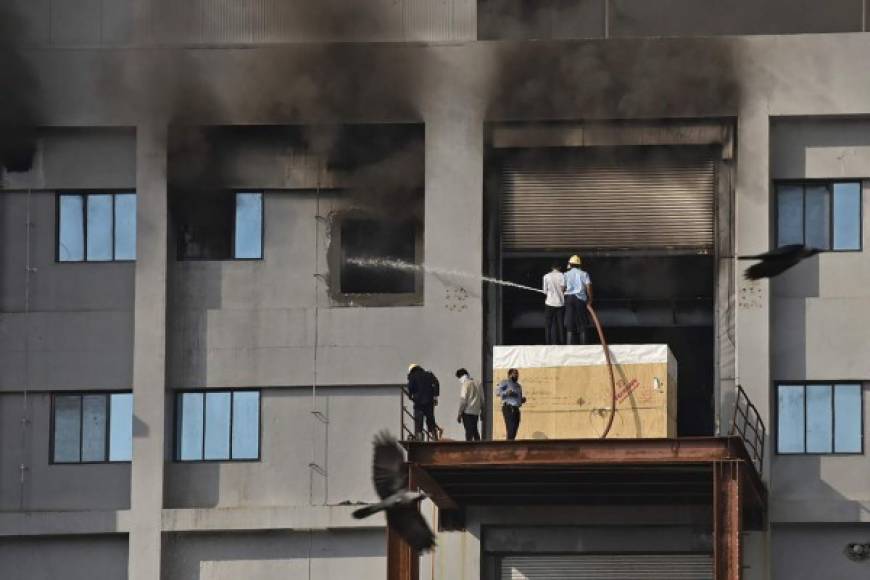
x=333 y=555
x=816 y=551
x=708 y=17
x=47 y=487
x=71 y=558
x=305 y=457
x=819 y=313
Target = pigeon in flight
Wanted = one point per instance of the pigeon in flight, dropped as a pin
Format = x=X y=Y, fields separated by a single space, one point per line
x=775 y=262
x=400 y=503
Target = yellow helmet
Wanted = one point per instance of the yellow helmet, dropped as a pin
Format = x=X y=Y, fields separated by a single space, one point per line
x=574 y=260
x=412 y=366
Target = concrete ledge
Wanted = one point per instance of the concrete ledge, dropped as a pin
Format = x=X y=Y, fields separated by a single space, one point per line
x=64 y=523
x=818 y=512
x=267 y=518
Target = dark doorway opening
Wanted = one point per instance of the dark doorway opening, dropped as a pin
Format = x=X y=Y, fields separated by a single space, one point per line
x=640 y=299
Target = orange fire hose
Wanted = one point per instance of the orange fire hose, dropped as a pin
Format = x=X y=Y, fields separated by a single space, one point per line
x=609 y=367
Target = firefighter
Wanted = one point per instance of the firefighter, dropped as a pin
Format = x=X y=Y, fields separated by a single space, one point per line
x=578 y=293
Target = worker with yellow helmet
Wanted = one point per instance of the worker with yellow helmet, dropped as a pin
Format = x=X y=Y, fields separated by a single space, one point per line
x=578 y=293
x=423 y=390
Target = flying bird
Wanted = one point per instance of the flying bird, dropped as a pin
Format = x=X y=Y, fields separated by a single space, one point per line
x=775 y=262
x=390 y=477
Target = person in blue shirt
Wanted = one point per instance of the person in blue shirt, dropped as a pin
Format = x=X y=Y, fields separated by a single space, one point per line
x=578 y=293
x=511 y=393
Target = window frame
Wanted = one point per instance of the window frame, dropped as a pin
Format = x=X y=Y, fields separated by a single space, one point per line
x=81 y=394
x=833 y=384
x=233 y=195
x=84 y=195
x=176 y=447
x=829 y=183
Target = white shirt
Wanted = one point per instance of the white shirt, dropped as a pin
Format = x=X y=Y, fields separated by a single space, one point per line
x=554 y=286
x=470 y=396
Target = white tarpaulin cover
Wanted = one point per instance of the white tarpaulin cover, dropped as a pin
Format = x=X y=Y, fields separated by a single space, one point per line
x=530 y=357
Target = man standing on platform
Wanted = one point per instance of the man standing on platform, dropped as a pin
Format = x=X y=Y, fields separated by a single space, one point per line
x=511 y=393
x=554 y=288
x=423 y=390
x=470 y=404
x=578 y=293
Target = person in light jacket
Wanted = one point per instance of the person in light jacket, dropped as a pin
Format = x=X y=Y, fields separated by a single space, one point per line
x=470 y=404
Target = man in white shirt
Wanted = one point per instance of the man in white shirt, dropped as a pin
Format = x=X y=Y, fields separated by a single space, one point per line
x=578 y=293
x=554 y=288
x=470 y=404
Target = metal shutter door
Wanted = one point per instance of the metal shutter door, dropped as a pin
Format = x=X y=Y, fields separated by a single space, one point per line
x=608 y=567
x=572 y=202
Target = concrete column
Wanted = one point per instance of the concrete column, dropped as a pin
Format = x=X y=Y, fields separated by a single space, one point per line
x=453 y=240
x=149 y=354
x=752 y=322
x=753 y=215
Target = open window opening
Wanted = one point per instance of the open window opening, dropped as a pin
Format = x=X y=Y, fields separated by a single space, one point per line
x=639 y=299
x=376 y=233
x=372 y=239
x=221 y=225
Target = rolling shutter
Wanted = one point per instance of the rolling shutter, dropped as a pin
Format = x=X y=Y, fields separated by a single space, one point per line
x=608 y=567
x=567 y=200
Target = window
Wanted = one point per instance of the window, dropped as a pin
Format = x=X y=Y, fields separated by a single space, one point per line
x=222 y=226
x=819 y=214
x=92 y=427
x=96 y=227
x=819 y=418
x=217 y=425
x=371 y=239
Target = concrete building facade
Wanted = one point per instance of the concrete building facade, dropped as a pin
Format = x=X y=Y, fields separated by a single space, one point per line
x=125 y=96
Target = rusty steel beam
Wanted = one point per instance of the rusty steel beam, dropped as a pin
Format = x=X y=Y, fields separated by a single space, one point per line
x=403 y=562
x=564 y=452
x=435 y=492
x=728 y=478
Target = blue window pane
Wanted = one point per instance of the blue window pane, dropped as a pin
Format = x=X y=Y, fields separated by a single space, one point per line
x=246 y=425
x=249 y=225
x=818 y=217
x=67 y=428
x=125 y=226
x=790 y=430
x=71 y=231
x=217 y=426
x=790 y=215
x=820 y=419
x=94 y=428
x=190 y=430
x=847 y=216
x=121 y=427
x=847 y=410
x=99 y=227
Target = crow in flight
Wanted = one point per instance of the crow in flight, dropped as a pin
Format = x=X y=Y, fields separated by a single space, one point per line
x=775 y=262
x=400 y=503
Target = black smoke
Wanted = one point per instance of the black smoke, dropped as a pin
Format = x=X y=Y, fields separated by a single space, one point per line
x=18 y=90
x=614 y=79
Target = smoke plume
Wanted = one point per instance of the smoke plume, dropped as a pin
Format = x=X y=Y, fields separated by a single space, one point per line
x=17 y=92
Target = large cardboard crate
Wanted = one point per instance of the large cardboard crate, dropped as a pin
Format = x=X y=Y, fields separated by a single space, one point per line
x=568 y=392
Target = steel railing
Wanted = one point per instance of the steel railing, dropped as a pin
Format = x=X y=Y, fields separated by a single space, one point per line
x=747 y=423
